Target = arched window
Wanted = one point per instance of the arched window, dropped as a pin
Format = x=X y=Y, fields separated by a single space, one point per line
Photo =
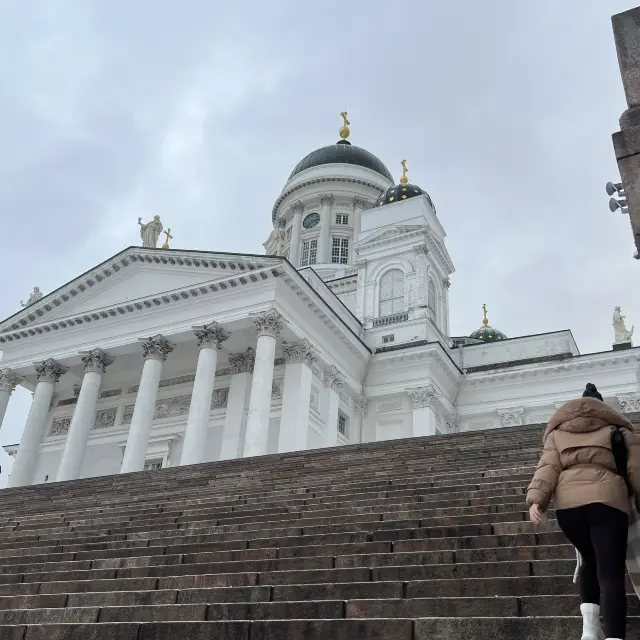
x=431 y=299
x=391 y=292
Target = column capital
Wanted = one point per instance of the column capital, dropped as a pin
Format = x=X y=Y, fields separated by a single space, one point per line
x=421 y=250
x=242 y=362
x=298 y=352
x=361 y=264
x=211 y=335
x=156 y=347
x=359 y=203
x=49 y=370
x=297 y=207
x=96 y=361
x=446 y=282
x=629 y=402
x=512 y=417
x=326 y=199
x=361 y=404
x=269 y=323
x=9 y=380
x=332 y=378
x=423 y=396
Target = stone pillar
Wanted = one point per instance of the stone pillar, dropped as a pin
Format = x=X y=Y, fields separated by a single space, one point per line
x=359 y=206
x=155 y=351
x=24 y=467
x=333 y=382
x=8 y=382
x=210 y=339
x=422 y=268
x=360 y=408
x=268 y=328
x=324 y=250
x=424 y=414
x=84 y=415
x=294 y=245
x=296 y=392
x=235 y=420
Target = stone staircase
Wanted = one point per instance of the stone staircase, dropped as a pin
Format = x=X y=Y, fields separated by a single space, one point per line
x=419 y=539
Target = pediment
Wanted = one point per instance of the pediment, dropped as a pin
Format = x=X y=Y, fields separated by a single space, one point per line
x=390 y=233
x=136 y=275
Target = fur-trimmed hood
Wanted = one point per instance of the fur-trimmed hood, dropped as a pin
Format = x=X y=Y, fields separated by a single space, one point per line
x=584 y=415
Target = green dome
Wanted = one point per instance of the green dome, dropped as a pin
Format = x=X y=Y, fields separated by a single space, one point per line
x=488 y=334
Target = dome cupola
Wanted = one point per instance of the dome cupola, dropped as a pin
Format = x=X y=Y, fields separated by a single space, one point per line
x=487 y=333
x=401 y=191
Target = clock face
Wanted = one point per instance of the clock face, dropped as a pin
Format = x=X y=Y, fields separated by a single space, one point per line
x=311 y=220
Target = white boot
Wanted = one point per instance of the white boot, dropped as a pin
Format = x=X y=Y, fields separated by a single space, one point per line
x=591 y=627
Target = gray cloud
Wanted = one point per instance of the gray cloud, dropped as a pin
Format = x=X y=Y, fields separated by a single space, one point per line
x=198 y=111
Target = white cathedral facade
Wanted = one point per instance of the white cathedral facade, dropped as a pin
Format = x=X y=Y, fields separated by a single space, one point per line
x=338 y=335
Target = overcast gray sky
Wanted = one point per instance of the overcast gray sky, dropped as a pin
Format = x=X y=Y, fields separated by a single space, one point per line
x=198 y=110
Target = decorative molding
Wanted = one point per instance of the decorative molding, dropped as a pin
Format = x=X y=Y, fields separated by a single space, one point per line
x=297 y=207
x=60 y=426
x=270 y=323
x=110 y=393
x=361 y=264
x=359 y=203
x=421 y=250
x=630 y=402
x=105 y=418
x=156 y=347
x=220 y=399
x=276 y=389
x=299 y=352
x=423 y=397
x=211 y=335
x=326 y=199
x=50 y=371
x=383 y=407
x=242 y=362
x=97 y=361
x=332 y=378
x=9 y=380
x=76 y=390
x=361 y=404
x=67 y=401
x=513 y=417
x=314 y=399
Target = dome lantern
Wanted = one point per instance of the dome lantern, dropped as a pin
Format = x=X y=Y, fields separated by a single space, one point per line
x=487 y=333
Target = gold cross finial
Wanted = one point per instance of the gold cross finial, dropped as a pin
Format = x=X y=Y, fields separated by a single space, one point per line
x=485 y=320
x=404 y=178
x=344 y=129
x=169 y=237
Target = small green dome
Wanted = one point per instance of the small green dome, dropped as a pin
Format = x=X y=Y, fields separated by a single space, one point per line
x=487 y=333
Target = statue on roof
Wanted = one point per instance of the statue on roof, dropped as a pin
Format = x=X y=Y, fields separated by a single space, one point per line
x=150 y=232
x=622 y=335
x=36 y=295
x=274 y=245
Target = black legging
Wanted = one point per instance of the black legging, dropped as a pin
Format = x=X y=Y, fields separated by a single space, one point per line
x=599 y=532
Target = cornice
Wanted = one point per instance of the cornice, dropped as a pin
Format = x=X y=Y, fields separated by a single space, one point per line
x=307 y=183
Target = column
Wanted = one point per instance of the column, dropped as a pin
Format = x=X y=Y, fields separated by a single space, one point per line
x=294 y=246
x=359 y=206
x=333 y=382
x=296 y=393
x=360 y=408
x=210 y=339
x=235 y=420
x=84 y=415
x=48 y=373
x=424 y=415
x=8 y=382
x=324 y=251
x=268 y=328
x=422 y=268
x=155 y=351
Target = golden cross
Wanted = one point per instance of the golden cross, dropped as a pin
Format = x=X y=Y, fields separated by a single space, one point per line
x=169 y=237
x=485 y=320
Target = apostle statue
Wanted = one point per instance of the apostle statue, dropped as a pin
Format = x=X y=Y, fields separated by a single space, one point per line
x=622 y=335
x=150 y=232
x=36 y=295
x=274 y=245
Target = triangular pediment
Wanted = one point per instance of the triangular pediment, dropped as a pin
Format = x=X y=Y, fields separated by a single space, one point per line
x=136 y=276
x=389 y=233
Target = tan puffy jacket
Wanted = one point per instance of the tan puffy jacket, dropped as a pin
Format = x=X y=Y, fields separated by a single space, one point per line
x=577 y=466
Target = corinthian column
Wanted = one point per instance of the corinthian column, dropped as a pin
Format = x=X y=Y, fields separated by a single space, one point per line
x=155 y=351
x=95 y=364
x=210 y=339
x=325 y=226
x=333 y=382
x=424 y=416
x=268 y=328
x=24 y=467
x=296 y=392
x=8 y=382
x=359 y=206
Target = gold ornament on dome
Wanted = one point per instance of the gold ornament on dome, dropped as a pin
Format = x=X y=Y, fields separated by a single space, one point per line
x=485 y=320
x=345 y=132
x=404 y=178
x=169 y=237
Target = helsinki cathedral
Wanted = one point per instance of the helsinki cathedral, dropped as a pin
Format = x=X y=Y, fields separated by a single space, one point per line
x=339 y=334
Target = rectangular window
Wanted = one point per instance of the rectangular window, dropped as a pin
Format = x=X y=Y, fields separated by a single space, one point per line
x=152 y=465
x=342 y=424
x=340 y=251
x=388 y=339
x=342 y=218
x=309 y=253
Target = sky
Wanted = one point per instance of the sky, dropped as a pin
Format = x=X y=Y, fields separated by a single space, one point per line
x=197 y=111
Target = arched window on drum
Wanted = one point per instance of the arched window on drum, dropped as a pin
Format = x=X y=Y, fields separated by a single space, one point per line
x=391 y=293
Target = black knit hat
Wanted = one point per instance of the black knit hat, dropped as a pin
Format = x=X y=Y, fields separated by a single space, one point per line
x=591 y=391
